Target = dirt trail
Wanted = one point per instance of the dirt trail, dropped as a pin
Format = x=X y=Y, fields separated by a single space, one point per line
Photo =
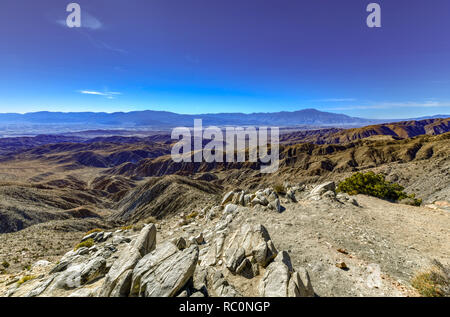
x=387 y=243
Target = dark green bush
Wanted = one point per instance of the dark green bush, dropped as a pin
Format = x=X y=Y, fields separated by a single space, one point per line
x=375 y=185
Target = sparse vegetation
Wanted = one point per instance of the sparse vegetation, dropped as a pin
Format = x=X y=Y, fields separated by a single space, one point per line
x=92 y=231
x=433 y=283
x=279 y=189
x=150 y=219
x=124 y=228
x=88 y=243
x=5 y=264
x=375 y=185
x=139 y=226
x=192 y=215
x=25 y=278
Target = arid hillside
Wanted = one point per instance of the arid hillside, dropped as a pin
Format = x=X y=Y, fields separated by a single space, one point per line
x=395 y=130
x=312 y=163
x=52 y=181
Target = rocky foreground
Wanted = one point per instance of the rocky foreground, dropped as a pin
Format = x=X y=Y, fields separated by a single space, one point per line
x=227 y=251
x=122 y=264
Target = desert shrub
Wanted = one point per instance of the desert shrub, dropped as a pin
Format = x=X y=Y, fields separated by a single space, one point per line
x=25 y=279
x=279 y=189
x=88 y=243
x=192 y=215
x=5 y=264
x=124 y=228
x=434 y=282
x=375 y=185
x=139 y=226
x=412 y=200
x=92 y=231
x=150 y=219
x=142 y=223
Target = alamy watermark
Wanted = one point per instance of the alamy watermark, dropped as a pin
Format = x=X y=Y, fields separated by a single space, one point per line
x=230 y=145
x=74 y=18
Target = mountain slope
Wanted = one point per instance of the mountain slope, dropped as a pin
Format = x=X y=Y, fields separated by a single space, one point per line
x=160 y=197
x=395 y=130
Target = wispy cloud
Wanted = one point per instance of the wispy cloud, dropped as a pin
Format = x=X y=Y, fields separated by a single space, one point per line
x=90 y=22
x=390 y=105
x=102 y=45
x=107 y=94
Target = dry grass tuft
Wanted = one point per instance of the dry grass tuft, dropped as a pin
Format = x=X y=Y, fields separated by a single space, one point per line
x=279 y=189
x=25 y=278
x=88 y=243
x=192 y=215
x=434 y=282
x=92 y=231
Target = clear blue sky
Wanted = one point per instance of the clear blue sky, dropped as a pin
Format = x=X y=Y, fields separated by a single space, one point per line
x=197 y=56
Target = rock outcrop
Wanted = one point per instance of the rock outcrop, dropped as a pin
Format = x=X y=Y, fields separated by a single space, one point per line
x=230 y=257
x=163 y=272
x=281 y=280
x=118 y=281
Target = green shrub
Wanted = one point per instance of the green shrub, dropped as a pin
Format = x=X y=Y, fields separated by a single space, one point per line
x=375 y=185
x=5 y=264
x=88 y=243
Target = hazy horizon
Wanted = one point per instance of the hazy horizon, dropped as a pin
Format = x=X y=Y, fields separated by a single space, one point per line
x=444 y=115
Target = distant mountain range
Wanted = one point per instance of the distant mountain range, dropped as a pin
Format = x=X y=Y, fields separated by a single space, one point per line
x=170 y=119
x=164 y=119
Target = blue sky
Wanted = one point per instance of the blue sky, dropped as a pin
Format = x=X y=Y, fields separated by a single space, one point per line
x=204 y=56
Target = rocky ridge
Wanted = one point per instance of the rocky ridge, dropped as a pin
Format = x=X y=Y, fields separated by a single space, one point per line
x=229 y=257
